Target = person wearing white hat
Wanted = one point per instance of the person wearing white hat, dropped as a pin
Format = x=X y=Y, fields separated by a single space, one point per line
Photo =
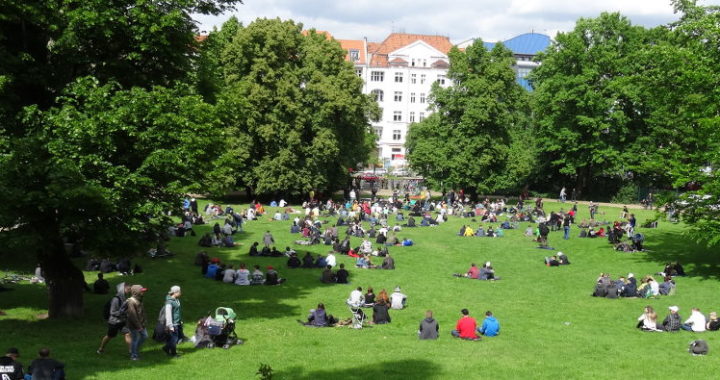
x=671 y=322
x=398 y=300
x=487 y=272
x=173 y=320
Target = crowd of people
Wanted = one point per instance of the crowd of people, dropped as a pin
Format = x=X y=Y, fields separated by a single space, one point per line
x=628 y=287
x=696 y=322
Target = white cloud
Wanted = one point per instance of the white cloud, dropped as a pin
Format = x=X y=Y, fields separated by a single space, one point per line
x=490 y=20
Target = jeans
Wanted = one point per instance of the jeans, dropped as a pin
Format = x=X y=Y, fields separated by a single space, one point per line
x=173 y=337
x=455 y=333
x=686 y=327
x=567 y=232
x=138 y=338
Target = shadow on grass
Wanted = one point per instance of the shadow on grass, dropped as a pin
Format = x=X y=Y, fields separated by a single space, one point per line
x=400 y=369
x=671 y=246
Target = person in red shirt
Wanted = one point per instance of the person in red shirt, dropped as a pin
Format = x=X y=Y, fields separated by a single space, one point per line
x=473 y=272
x=466 y=326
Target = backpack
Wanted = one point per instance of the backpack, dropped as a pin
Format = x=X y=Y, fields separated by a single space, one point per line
x=698 y=347
x=107 y=307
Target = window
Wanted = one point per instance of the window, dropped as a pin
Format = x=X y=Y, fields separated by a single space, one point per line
x=354 y=55
x=412 y=62
x=358 y=71
x=396 y=150
x=441 y=79
x=422 y=78
x=398 y=96
x=397 y=135
x=413 y=78
x=377 y=76
x=422 y=97
x=422 y=116
x=412 y=97
x=378 y=94
x=412 y=117
x=397 y=116
x=398 y=77
x=378 y=132
x=424 y=63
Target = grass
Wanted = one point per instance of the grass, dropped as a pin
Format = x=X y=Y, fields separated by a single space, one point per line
x=551 y=327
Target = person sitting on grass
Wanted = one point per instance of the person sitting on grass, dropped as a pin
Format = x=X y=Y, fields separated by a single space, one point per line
x=294 y=262
x=242 y=276
x=369 y=298
x=629 y=287
x=473 y=272
x=388 y=262
x=356 y=298
x=45 y=367
x=696 y=322
x=327 y=277
x=487 y=272
x=667 y=287
x=490 y=326
x=308 y=261
x=429 y=328
x=563 y=258
x=254 y=249
x=398 y=300
x=341 y=277
x=381 y=315
x=647 y=321
x=212 y=268
x=318 y=317
x=672 y=321
x=101 y=286
x=272 y=277
x=466 y=327
x=713 y=323
x=229 y=275
x=258 y=277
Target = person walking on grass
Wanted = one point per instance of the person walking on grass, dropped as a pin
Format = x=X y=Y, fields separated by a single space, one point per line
x=117 y=317
x=173 y=321
x=136 y=320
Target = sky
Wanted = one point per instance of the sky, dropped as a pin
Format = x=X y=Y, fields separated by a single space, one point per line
x=491 y=20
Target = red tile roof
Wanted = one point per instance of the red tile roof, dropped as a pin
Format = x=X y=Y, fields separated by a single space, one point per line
x=354 y=44
x=396 y=41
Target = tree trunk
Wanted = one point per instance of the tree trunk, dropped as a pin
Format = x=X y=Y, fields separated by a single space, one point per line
x=66 y=283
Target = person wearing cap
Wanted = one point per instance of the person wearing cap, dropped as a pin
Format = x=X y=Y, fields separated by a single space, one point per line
x=45 y=367
x=466 y=327
x=173 y=320
x=117 y=320
x=672 y=323
x=136 y=320
x=10 y=367
x=487 y=272
x=272 y=277
x=398 y=299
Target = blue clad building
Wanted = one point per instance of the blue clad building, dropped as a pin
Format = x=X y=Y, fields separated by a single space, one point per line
x=525 y=47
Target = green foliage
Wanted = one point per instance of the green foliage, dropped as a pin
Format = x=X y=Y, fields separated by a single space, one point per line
x=478 y=136
x=265 y=372
x=294 y=108
x=627 y=194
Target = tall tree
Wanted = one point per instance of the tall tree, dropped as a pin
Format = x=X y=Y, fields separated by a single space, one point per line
x=477 y=137
x=586 y=105
x=102 y=169
x=295 y=108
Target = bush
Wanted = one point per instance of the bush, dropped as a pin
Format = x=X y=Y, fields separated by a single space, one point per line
x=627 y=194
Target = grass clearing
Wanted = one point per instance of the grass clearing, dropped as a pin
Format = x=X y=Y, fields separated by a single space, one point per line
x=551 y=327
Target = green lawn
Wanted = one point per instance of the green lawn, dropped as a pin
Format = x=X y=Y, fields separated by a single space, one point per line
x=551 y=327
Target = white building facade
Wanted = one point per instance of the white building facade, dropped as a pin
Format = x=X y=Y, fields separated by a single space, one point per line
x=399 y=73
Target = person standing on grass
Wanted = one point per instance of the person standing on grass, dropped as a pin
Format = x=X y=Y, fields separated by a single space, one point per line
x=429 y=327
x=563 y=195
x=466 y=327
x=136 y=320
x=268 y=239
x=117 y=318
x=173 y=321
x=566 y=227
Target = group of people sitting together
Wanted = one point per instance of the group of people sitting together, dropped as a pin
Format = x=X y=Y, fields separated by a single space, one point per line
x=467 y=231
x=629 y=288
x=212 y=268
x=380 y=303
x=697 y=322
x=557 y=260
x=485 y=273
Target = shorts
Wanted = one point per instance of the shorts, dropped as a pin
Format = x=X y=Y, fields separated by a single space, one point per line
x=114 y=329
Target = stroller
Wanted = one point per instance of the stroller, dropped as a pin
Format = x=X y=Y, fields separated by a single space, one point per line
x=358 y=316
x=217 y=331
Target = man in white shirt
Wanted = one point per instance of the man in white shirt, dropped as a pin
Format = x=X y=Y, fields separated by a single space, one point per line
x=330 y=259
x=356 y=298
x=397 y=299
x=696 y=322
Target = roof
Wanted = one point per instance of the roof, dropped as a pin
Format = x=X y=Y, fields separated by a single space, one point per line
x=201 y=37
x=359 y=45
x=440 y=64
x=399 y=62
x=396 y=41
x=524 y=44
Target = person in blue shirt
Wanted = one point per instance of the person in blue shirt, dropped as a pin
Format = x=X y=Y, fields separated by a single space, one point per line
x=490 y=326
x=212 y=270
x=407 y=242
